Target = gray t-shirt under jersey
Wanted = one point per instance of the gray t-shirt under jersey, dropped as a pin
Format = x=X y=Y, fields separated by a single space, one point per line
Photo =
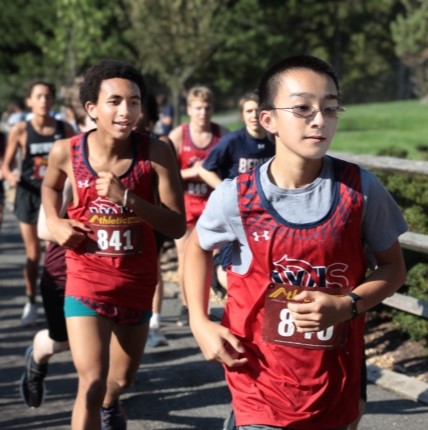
x=221 y=222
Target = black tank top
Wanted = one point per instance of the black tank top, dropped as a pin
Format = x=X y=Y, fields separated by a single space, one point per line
x=37 y=151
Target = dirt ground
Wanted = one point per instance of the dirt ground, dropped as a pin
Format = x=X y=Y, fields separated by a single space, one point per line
x=389 y=348
x=386 y=345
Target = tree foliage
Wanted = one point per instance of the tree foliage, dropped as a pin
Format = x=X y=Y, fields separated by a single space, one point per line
x=175 y=38
x=21 y=58
x=226 y=44
x=410 y=33
x=84 y=31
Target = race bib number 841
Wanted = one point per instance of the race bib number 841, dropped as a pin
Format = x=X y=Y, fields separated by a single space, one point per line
x=279 y=327
x=114 y=235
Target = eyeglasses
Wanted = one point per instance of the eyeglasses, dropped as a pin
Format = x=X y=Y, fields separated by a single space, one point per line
x=306 y=111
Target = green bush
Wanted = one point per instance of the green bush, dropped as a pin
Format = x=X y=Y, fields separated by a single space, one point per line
x=417 y=287
x=411 y=193
x=393 y=151
x=416 y=217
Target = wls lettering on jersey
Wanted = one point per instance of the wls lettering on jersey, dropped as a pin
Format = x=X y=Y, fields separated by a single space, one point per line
x=299 y=272
x=103 y=205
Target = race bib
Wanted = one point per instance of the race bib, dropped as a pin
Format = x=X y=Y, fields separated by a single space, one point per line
x=114 y=235
x=199 y=189
x=279 y=327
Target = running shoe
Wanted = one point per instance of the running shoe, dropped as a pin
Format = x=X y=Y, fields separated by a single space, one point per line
x=113 y=417
x=156 y=338
x=32 y=385
x=29 y=315
x=183 y=318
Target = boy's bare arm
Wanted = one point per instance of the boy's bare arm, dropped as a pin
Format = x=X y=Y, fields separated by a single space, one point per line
x=42 y=227
x=211 y=178
x=68 y=233
x=197 y=274
x=389 y=275
x=54 y=180
x=14 y=142
x=217 y=343
x=170 y=192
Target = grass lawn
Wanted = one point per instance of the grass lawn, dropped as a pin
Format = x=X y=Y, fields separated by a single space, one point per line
x=370 y=128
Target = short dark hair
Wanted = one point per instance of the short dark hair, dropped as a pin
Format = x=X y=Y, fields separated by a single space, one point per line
x=34 y=83
x=108 y=69
x=270 y=81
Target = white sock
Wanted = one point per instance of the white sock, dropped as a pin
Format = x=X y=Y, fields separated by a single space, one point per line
x=155 y=320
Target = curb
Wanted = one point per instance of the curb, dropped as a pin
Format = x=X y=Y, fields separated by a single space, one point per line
x=405 y=386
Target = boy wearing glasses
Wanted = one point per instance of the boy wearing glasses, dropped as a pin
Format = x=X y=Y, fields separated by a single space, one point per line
x=293 y=327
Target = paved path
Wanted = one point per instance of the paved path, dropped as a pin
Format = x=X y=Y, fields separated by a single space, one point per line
x=175 y=388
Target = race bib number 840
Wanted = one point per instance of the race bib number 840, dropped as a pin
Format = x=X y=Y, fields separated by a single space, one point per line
x=279 y=327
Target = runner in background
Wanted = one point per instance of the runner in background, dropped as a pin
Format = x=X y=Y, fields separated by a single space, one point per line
x=193 y=141
x=53 y=340
x=32 y=140
x=163 y=125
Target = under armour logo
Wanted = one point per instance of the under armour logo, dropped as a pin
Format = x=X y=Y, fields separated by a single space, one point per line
x=264 y=236
x=83 y=184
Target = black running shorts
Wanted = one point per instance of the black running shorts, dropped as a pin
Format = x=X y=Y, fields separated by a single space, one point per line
x=53 y=303
x=27 y=204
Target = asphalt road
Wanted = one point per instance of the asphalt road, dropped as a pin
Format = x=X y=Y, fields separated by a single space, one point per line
x=175 y=387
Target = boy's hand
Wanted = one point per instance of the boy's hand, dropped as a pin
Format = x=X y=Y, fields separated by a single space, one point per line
x=196 y=168
x=68 y=233
x=109 y=185
x=317 y=311
x=217 y=343
x=13 y=179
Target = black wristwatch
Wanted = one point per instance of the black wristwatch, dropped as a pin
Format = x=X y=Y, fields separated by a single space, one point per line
x=354 y=297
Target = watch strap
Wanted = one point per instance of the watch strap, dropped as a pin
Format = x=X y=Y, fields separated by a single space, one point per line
x=354 y=299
